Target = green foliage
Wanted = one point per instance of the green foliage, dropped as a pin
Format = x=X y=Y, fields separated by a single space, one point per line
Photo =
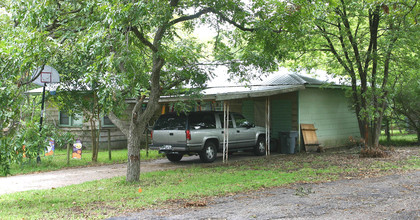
x=368 y=44
x=10 y=101
x=5 y=157
x=406 y=102
x=28 y=143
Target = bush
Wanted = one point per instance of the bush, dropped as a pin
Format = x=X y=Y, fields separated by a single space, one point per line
x=5 y=157
x=27 y=143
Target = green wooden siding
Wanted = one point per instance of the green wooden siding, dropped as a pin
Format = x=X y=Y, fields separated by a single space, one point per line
x=328 y=110
x=281 y=116
x=248 y=110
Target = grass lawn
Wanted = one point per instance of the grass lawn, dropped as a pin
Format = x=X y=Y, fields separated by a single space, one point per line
x=111 y=197
x=399 y=139
x=59 y=161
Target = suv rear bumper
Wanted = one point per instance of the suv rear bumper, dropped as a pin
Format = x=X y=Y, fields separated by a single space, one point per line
x=176 y=148
x=166 y=149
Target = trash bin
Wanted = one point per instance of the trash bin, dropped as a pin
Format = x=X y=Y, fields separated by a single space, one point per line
x=288 y=140
x=283 y=141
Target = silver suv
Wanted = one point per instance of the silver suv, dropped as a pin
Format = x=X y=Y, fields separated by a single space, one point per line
x=178 y=134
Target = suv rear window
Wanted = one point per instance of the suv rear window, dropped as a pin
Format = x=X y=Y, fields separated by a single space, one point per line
x=201 y=120
x=171 y=122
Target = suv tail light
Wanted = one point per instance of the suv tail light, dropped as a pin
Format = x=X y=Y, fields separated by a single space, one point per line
x=188 y=134
x=151 y=135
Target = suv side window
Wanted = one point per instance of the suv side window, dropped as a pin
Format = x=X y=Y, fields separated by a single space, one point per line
x=240 y=120
x=201 y=120
x=171 y=122
x=222 y=121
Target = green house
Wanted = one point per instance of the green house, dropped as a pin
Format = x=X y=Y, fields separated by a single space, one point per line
x=281 y=103
x=285 y=101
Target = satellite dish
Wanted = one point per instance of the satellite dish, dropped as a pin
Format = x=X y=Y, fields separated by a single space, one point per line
x=48 y=75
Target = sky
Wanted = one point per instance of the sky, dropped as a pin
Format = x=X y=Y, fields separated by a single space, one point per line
x=205 y=33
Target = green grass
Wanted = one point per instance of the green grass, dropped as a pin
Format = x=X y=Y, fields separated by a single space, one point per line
x=399 y=140
x=59 y=161
x=110 y=197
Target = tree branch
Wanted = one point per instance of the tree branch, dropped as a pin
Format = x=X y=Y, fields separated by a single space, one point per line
x=240 y=27
x=190 y=17
x=122 y=125
x=141 y=37
x=33 y=78
x=137 y=109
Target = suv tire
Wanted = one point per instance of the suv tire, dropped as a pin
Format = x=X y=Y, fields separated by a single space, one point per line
x=259 y=148
x=209 y=152
x=174 y=157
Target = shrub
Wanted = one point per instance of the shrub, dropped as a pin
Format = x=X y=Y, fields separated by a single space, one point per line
x=27 y=143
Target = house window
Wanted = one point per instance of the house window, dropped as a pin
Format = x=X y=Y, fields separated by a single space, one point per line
x=70 y=121
x=106 y=122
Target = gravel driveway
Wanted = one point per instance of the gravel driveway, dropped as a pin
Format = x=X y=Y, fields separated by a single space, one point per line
x=60 y=178
x=387 y=197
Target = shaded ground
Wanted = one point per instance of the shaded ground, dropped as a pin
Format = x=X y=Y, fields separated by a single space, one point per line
x=389 y=197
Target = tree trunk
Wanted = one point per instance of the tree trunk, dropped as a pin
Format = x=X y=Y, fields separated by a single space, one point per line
x=137 y=128
x=387 y=131
x=418 y=136
x=134 y=131
x=94 y=143
x=99 y=134
x=133 y=162
x=95 y=133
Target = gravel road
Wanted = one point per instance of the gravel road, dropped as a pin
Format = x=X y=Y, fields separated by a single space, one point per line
x=387 y=197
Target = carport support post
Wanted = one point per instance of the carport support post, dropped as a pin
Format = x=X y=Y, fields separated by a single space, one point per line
x=267 y=126
x=225 y=131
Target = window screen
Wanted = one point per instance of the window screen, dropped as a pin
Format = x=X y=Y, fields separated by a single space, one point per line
x=64 y=119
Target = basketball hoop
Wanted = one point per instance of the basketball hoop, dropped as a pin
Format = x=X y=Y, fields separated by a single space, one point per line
x=52 y=87
x=46 y=76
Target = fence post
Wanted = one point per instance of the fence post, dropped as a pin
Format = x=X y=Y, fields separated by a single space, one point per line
x=109 y=144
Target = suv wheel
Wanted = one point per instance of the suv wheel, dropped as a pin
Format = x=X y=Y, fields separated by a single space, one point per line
x=174 y=157
x=209 y=153
x=259 y=149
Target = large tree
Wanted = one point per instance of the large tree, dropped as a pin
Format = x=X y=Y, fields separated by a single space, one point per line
x=364 y=41
x=143 y=49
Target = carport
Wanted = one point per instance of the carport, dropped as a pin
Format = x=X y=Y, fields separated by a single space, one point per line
x=281 y=103
x=265 y=92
